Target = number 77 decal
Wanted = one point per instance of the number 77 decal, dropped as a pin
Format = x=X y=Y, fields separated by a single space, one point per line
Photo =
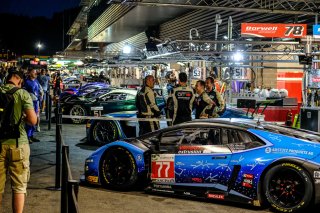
x=162 y=168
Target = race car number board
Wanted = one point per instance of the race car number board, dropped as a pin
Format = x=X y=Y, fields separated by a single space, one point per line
x=162 y=168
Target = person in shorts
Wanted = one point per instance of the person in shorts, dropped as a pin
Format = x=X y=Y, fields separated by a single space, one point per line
x=14 y=155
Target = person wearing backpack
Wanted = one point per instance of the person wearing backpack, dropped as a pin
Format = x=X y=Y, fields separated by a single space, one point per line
x=16 y=110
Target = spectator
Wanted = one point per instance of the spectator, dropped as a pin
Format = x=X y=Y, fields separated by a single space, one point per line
x=44 y=80
x=15 y=150
x=57 y=81
x=33 y=87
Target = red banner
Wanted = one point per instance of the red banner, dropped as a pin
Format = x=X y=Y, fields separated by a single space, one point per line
x=270 y=30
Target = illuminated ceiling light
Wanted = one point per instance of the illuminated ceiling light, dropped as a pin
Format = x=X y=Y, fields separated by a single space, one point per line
x=225 y=37
x=126 y=49
x=238 y=56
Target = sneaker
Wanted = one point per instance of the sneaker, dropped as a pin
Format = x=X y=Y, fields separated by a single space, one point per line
x=34 y=139
x=38 y=129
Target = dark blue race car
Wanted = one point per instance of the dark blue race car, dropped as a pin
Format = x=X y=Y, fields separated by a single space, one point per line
x=103 y=132
x=82 y=91
x=237 y=160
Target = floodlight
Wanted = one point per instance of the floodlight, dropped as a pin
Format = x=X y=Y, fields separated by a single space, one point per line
x=126 y=49
x=238 y=56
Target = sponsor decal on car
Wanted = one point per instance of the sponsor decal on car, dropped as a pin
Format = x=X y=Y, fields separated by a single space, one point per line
x=161 y=186
x=237 y=147
x=190 y=150
x=247 y=180
x=93 y=179
x=215 y=196
x=269 y=150
x=139 y=157
x=197 y=180
x=316 y=174
x=162 y=168
x=189 y=194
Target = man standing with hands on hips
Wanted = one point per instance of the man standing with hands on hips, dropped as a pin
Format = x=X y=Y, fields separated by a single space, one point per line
x=147 y=106
x=16 y=110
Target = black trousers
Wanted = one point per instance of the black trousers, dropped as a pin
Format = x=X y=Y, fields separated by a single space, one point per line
x=148 y=126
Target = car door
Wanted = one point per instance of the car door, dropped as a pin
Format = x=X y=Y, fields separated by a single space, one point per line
x=113 y=102
x=130 y=103
x=246 y=161
x=193 y=157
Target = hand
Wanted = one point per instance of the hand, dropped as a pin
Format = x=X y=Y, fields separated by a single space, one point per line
x=203 y=116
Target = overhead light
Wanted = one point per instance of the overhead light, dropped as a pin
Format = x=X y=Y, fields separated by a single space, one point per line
x=126 y=49
x=238 y=56
x=225 y=37
x=77 y=39
x=78 y=63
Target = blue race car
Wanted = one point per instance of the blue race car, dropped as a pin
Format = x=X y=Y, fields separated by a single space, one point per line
x=238 y=160
x=82 y=91
x=103 y=132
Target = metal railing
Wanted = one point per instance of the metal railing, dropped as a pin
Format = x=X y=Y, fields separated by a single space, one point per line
x=63 y=176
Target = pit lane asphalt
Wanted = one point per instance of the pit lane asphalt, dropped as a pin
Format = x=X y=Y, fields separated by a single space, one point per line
x=94 y=199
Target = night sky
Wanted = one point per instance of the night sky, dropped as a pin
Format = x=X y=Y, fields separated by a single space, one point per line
x=24 y=23
x=36 y=7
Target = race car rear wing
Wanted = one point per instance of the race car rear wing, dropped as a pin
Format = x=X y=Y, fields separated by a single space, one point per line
x=255 y=105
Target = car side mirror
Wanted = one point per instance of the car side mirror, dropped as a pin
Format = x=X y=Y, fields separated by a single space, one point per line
x=156 y=142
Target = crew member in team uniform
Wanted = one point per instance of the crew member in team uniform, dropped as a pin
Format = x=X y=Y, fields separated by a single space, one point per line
x=215 y=95
x=147 y=106
x=203 y=104
x=181 y=100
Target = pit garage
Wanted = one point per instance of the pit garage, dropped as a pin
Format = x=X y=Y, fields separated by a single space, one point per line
x=262 y=154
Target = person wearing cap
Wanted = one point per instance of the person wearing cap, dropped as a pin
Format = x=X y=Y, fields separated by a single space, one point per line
x=17 y=169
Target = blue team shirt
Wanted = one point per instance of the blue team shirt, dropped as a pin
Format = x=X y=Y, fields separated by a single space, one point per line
x=33 y=87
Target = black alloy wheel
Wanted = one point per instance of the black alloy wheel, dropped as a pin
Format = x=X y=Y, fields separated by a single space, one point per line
x=104 y=132
x=118 y=169
x=78 y=110
x=288 y=188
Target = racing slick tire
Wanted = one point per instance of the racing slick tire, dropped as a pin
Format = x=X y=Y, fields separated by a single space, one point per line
x=104 y=132
x=77 y=110
x=288 y=188
x=118 y=169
